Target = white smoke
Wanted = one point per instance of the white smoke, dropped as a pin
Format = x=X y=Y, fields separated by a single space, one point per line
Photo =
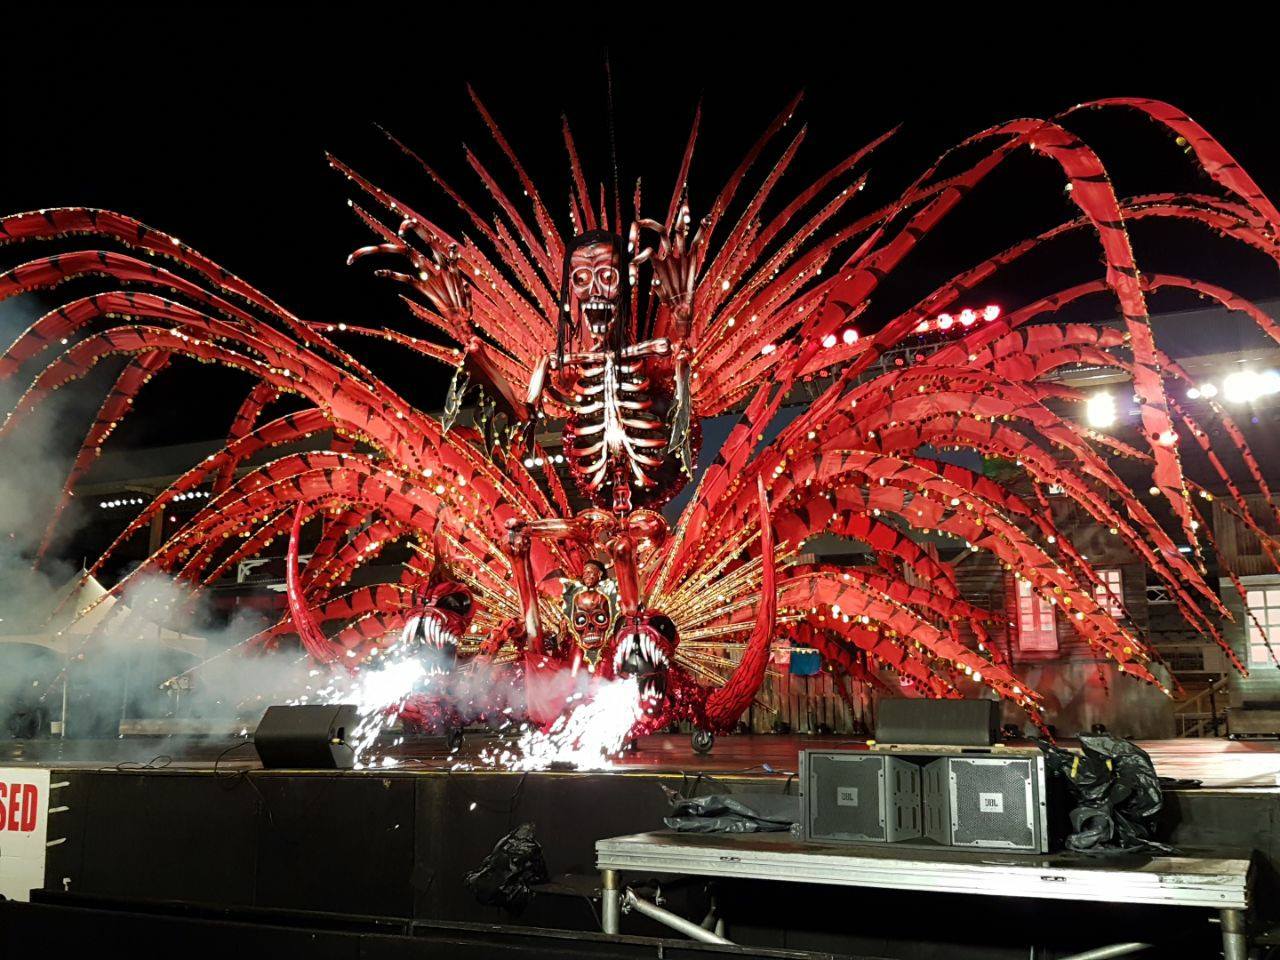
x=155 y=631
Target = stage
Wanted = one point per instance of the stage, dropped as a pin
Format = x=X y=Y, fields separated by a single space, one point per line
x=205 y=825
x=1213 y=762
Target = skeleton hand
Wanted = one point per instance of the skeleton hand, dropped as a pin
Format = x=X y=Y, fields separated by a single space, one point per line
x=437 y=275
x=677 y=261
x=439 y=279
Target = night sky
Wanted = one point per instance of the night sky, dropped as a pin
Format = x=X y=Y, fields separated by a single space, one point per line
x=211 y=123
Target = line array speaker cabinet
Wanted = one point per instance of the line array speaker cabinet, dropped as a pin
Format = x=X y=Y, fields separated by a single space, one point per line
x=862 y=796
x=918 y=798
x=924 y=720
x=306 y=737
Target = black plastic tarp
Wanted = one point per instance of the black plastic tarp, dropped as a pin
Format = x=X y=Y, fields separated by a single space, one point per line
x=505 y=877
x=734 y=813
x=1114 y=792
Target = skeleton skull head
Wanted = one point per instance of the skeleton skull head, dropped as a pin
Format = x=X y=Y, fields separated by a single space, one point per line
x=594 y=287
x=590 y=611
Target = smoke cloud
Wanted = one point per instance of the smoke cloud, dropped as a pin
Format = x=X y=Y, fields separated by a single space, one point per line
x=156 y=651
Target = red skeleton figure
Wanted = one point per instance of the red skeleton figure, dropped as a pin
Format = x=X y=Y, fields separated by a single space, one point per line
x=748 y=306
x=626 y=434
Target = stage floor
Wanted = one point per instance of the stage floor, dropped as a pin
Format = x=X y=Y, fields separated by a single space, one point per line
x=1214 y=762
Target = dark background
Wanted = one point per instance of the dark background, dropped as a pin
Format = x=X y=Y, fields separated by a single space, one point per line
x=211 y=122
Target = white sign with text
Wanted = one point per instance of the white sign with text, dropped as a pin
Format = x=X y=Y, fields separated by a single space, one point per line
x=24 y=827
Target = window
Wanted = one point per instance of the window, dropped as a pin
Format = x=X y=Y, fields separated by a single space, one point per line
x=1264 y=604
x=1109 y=593
x=1036 y=628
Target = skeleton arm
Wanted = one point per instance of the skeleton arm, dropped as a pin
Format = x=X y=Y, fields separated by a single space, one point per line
x=682 y=412
x=584 y=528
x=622 y=550
x=478 y=359
x=677 y=261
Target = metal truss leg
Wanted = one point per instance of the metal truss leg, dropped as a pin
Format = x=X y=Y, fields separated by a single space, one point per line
x=610 y=902
x=669 y=919
x=1235 y=938
x=1110 y=952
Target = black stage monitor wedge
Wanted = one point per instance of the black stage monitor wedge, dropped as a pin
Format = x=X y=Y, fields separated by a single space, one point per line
x=306 y=737
x=947 y=723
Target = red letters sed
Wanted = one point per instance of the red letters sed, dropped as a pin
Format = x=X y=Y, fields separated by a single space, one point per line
x=18 y=805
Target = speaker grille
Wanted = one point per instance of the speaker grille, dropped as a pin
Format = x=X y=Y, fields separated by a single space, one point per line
x=845 y=797
x=992 y=803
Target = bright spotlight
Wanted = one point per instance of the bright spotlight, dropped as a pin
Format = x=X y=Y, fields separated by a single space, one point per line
x=1100 y=409
x=1242 y=386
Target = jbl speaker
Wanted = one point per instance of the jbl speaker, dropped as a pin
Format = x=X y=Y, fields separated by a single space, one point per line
x=306 y=737
x=924 y=798
x=952 y=723
x=986 y=802
x=859 y=797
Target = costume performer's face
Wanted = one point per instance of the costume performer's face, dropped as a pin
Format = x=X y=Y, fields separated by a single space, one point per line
x=591 y=575
x=594 y=286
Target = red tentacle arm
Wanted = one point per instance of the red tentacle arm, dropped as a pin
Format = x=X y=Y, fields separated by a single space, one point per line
x=727 y=704
x=313 y=639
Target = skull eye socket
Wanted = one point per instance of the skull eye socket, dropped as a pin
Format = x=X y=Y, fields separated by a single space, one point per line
x=580 y=619
x=607 y=276
x=602 y=618
x=582 y=277
x=458 y=603
x=665 y=628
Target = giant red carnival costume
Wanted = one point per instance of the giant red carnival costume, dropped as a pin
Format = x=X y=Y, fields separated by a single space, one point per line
x=629 y=344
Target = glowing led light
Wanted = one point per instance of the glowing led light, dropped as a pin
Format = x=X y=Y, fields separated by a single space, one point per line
x=990 y=312
x=1193 y=393
x=850 y=336
x=945 y=320
x=1100 y=409
x=1208 y=391
x=967 y=317
x=829 y=340
x=1245 y=386
x=767 y=349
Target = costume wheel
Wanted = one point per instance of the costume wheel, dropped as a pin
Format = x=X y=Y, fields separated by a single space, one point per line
x=703 y=741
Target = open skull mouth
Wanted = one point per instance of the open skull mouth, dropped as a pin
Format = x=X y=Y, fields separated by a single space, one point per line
x=599 y=314
x=640 y=654
x=435 y=641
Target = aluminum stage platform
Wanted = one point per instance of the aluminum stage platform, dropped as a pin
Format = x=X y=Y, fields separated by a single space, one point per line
x=183 y=825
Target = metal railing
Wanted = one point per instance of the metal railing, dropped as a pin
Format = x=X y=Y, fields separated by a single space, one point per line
x=1203 y=714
